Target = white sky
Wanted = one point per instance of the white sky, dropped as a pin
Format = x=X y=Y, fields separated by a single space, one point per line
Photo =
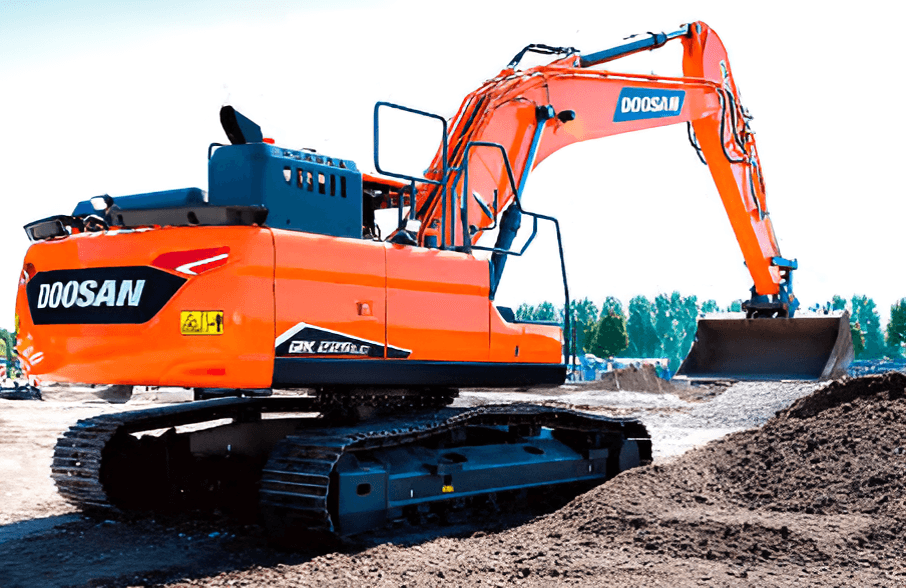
x=123 y=97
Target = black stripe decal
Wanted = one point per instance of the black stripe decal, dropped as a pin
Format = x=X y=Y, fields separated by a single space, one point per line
x=304 y=372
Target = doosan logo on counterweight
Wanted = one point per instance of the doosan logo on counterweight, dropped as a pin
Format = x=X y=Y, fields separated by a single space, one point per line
x=88 y=293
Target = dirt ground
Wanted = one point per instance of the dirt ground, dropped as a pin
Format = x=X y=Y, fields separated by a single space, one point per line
x=814 y=496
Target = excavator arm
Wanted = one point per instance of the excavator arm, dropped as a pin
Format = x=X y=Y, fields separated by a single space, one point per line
x=534 y=112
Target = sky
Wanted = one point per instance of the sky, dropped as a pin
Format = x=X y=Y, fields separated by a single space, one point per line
x=123 y=97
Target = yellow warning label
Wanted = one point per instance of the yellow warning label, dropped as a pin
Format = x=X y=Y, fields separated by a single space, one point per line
x=201 y=322
x=446 y=489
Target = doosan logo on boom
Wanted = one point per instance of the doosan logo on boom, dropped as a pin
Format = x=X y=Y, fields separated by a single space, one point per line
x=90 y=293
x=650 y=104
x=641 y=103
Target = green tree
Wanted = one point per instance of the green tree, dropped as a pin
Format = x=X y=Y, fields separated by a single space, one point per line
x=858 y=340
x=9 y=343
x=545 y=312
x=687 y=317
x=525 y=312
x=709 y=306
x=610 y=335
x=666 y=326
x=838 y=303
x=611 y=305
x=643 y=338
x=584 y=318
x=896 y=328
x=735 y=306
x=866 y=314
x=10 y=339
x=676 y=323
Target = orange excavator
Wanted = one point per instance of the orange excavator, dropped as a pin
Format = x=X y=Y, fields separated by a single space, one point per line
x=277 y=278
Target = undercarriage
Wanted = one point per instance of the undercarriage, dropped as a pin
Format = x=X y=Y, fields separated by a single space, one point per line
x=331 y=464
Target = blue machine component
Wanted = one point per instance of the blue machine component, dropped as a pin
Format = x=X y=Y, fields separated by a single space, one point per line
x=294 y=190
x=378 y=485
x=185 y=197
x=786 y=286
x=652 y=41
x=784 y=304
x=512 y=216
x=302 y=191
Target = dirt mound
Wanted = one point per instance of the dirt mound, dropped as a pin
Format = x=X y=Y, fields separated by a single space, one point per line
x=893 y=384
x=764 y=494
x=840 y=450
x=635 y=379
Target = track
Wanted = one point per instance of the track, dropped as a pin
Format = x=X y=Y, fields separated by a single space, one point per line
x=296 y=483
x=312 y=474
x=82 y=456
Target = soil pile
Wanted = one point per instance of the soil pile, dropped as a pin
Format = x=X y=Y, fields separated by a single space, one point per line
x=765 y=494
x=813 y=498
x=643 y=379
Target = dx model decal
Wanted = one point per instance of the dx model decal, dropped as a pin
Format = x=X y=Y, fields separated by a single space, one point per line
x=308 y=340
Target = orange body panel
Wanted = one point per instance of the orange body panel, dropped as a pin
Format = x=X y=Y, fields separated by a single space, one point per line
x=524 y=342
x=424 y=303
x=331 y=283
x=156 y=353
x=437 y=304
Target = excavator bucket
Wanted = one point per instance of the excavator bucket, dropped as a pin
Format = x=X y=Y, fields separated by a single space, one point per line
x=806 y=348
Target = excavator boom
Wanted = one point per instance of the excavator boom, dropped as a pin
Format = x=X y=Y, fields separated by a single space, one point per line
x=534 y=112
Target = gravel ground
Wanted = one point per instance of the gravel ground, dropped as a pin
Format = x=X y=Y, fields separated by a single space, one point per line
x=676 y=425
x=718 y=515
x=742 y=406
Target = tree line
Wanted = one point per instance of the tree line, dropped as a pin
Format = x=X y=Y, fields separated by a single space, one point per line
x=869 y=340
x=666 y=326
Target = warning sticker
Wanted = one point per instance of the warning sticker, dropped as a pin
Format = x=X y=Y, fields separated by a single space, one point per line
x=201 y=322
